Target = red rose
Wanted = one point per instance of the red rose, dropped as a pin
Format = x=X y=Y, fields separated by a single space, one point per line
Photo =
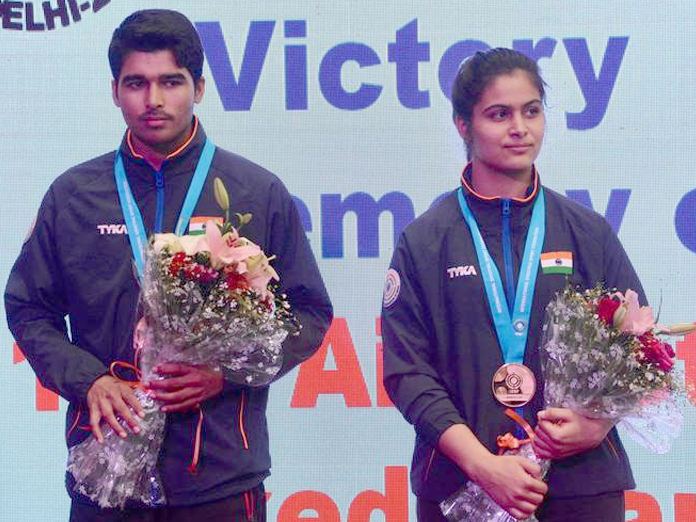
x=236 y=281
x=606 y=308
x=177 y=263
x=200 y=273
x=657 y=352
x=670 y=351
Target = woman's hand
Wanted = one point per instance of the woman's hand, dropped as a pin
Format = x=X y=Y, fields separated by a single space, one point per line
x=513 y=482
x=562 y=433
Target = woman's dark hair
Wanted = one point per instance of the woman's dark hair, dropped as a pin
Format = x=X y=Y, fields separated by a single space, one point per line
x=156 y=30
x=477 y=72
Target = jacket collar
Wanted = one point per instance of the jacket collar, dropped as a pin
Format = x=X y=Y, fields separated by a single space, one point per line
x=531 y=194
x=181 y=162
x=193 y=144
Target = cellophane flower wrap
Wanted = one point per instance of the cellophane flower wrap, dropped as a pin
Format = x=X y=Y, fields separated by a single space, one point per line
x=206 y=301
x=602 y=357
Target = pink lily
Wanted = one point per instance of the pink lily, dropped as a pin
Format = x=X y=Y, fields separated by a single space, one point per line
x=260 y=273
x=228 y=249
x=632 y=318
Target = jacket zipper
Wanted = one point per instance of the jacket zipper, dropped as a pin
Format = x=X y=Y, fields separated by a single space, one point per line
x=242 y=430
x=510 y=282
x=507 y=255
x=159 y=209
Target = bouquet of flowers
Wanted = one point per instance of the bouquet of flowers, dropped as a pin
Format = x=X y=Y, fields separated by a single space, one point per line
x=601 y=357
x=206 y=301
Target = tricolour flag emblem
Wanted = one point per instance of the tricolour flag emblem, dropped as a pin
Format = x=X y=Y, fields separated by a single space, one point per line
x=557 y=263
x=197 y=224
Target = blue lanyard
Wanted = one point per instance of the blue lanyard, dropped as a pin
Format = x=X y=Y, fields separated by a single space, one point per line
x=512 y=331
x=134 y=219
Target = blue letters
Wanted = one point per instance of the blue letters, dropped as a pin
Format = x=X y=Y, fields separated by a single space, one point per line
x=452 y=58
x=407 y=52
x=543 y=49
x=367 y=211
x=685 y=220
x=457 y=53
x=330 y=77
x=236 y=95
x=595 y=89
x=400 y=206
x=295 y=67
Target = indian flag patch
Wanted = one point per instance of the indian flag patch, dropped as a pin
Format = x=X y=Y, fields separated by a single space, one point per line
x=197 y=224
x=557 y=263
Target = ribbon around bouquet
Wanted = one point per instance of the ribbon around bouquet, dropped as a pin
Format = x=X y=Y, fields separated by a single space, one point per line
x=509 y=441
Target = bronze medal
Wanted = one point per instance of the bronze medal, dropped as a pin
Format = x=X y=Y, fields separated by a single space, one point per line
x=514 y=385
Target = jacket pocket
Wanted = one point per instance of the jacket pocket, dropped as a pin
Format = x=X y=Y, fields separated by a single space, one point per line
x=429 y=467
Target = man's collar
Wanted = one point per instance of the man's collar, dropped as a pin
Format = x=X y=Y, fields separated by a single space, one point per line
x=179 y=150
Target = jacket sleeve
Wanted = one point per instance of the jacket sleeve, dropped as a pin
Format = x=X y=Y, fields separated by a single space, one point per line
x=36 y=305
x=619 y=271
x=299 y=279
x=410 y=351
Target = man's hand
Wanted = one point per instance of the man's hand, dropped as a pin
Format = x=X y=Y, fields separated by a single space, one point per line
x=184 y=387
x=562 y=433
x=108 y=398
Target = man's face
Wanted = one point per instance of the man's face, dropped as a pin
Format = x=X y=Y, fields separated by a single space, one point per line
x=156 y=97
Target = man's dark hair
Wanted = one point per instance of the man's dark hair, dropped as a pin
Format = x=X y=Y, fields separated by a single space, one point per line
x=480 y=70
x=156 y=30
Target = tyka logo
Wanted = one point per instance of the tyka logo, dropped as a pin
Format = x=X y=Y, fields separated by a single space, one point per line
x=111 y=229
x=461 y=271
x=45 y=16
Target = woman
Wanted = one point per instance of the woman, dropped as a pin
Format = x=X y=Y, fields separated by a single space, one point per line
x=450 y=334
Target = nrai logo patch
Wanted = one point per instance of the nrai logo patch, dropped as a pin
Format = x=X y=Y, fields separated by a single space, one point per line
x=392 y=287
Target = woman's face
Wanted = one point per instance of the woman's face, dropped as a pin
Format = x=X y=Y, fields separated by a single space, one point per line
x=507 y=126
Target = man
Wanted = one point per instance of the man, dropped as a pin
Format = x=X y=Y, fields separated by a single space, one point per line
x=68 y=267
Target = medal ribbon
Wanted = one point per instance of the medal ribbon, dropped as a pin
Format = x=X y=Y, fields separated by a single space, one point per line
x=511 y=331
x=131 y=212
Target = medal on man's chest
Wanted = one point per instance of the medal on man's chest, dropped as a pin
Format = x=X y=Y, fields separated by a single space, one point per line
x=514 y=385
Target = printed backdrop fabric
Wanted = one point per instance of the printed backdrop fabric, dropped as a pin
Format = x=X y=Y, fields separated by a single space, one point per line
x=347 y=102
